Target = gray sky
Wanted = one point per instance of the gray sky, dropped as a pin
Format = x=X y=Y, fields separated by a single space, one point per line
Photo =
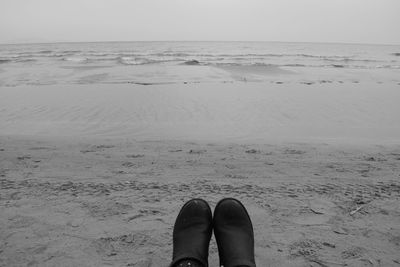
x=353 y=21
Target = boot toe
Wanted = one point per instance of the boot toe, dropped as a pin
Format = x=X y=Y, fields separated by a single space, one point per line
x=192 y=232
x=234 y=234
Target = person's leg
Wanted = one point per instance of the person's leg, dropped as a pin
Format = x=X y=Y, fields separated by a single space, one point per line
x=192 y=234
x=234 y=234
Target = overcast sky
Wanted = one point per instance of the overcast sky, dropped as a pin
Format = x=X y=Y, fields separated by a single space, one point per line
x=350 y=21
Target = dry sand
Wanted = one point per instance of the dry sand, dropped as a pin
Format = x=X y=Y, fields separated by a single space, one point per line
x=95 y=178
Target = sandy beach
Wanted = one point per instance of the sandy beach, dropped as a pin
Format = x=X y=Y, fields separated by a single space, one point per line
x=113 y=202
x=91 y=177
x=100 y=148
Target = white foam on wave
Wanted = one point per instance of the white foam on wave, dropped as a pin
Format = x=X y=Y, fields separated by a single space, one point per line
x=76 y=59
x=134 y=60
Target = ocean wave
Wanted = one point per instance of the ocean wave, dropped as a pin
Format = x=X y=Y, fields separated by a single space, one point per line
x=349 y=66
x=57 y=55
x=102 y=54
x=257 y=64
x=23 y=60
x=236 y=58
x=294 y=65
x=135 y=58
x=352 y=66
x=135 y=61
x=266 y=56
x=71 y=51
x=181 y=54
x=267 y=65
x=45 y=52
x=271 y=55
x=169 y=54
x=16 y=60
x=192 y=62
x=318 y=57
x=41 y=54
x=76 y=59
x=388 y=66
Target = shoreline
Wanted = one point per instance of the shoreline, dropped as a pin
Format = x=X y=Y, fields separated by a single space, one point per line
x=240 y=112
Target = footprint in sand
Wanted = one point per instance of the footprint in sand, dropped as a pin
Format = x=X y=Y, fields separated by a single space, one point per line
x=107 y=208
x=293 y=152
x=121 y=245
x=307 y=83
x=175 y=150
x=235 y=176
x=24 y=157
x=20 y=221
x=395 y=240
x=253 y=151
x=197 y=151
x=306 y=248
x=128 y=164
x=41 y=148
x=96 y=148
x=135 y=156
x=353 y=253
x=230 y=166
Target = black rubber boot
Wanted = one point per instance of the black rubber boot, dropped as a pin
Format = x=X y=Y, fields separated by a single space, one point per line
x=234 y=234
x=192 y=232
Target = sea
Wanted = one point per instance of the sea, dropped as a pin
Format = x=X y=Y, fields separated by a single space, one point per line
x=148 y=63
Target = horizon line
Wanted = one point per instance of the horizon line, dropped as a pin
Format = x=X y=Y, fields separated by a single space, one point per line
x=197 y=41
